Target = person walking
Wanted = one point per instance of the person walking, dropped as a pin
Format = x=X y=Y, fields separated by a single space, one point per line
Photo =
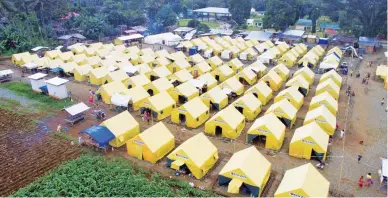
x=359 y=157
x=59 y=128
x=369 y=180
x=342 y=134
x=382 y=102
x=361 y=182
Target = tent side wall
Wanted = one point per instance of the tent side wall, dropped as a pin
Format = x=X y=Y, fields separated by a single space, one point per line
x=137 y=148
x=303 y=149
x=190 y=121
x=227 y=130
x=271 y=141
x=292 y=193
x=96 y=81
x=125 y=136
x=57 y=92
x=219 y=106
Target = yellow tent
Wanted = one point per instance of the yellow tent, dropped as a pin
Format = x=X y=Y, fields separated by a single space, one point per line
x=54 y=63
x=97 y=76
x=215 y=98
x=143 y=69
x=235 y=51
x=247 y=166
x=247 y=76
x=261 y=91
x=309 y=142
x=236 y=65
x=90 y=52
x=273 y=80
x=303 y=181
x=186 y=45
x=16 y=58
x=217 y=49
x=138 y=80
x=241 y=46
x=323 y=117
x=160 y=105
x=80 y=59
x=177 y=55
x=282 y=71
x=161 y=61
x=147 y=59
x=229 y=123
x=336 y=50
x=200 y=68
x=309 y=60
x=133 y=49
x=53 y=54
x=215 y=62
x=133 y=58
x=66 y=57
x=288 y=59
x=28 y=58
x=330 y=87
x=320 y=51
x=79 y=49
x=382 y=71
x=197 y=159
x=333 y=75
x=42 y=62
x=275 y=51
x=222 y=73
x=284 y=111
x=147 y=51
x=159 y=72
x=102 y=53
x=234 y=85
x=162 y=53
x=301 y=83
x=209 y=80
x=180 y=77
x=108 y=46
x=138 y=96
x=119 y=48
x=94 y=61
x=324 y=99
x=184 y=93
x=159 y=85
x=303 y=47
x=178 y=65
x=295 y=52
x=108 y=63
x=306 y=73
x=249 y=106
x=386 y=83
x=152 y=144
x=268 y=129
x=96 y=46
x=192 y=114
x=69 y=67
x=195 y=59
x=254 y=42
x=107 y=90
x=118 y=75
x=227 y=38
x=259 y=68
x=123 y=126
x=292 y=95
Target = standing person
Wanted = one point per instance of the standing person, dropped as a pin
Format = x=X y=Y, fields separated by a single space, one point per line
x=369 y=180
x=90 y=92
x=351 y=73
x=361 y=182
x=382 y=102
x=59 y=128
x=359 y=158
x=148 y=117
x=342 y=134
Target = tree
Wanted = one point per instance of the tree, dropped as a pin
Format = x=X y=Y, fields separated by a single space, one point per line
x=258 y=4
x=6 y=6
x=93 y=27
x=203 y=28
x=240 y=10
x=280 y=14
x=193 y=23
x=165 y=17
x=314 y=15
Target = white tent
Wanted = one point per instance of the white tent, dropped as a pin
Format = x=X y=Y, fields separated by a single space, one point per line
x=120 y=99
x=168 y=39
x=37 y=80
x=325 y=65
x=266 y=57
x=208 y=53
x=226 y=54
x=77 y=109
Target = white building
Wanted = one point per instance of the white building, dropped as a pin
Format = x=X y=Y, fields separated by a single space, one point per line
x=57 y=88
x=37 y=80
x=168 y=39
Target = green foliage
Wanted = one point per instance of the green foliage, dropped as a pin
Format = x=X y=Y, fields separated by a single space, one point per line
x=280 y=14
x=94 y=176
x=25 y=90
x=240 y=10
x=193 y=23
x=165 y=17
x=92 y=27
x=6 y=6
x=203 y=28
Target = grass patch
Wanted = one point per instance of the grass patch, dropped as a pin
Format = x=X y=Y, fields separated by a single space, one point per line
x=96 y=176
x=184 y=22
x=25 y=90
x=9 y=52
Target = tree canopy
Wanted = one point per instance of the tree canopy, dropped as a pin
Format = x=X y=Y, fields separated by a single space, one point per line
x=240 y=10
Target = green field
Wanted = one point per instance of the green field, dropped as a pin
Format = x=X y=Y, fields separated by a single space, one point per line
x=184 y=22
x=95 y=176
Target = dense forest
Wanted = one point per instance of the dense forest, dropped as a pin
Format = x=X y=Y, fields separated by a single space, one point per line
x=28 y=23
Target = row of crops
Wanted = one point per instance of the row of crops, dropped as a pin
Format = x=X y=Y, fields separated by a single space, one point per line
x=95 y=176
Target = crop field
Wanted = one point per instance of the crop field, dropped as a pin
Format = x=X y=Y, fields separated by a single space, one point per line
x=99 y=177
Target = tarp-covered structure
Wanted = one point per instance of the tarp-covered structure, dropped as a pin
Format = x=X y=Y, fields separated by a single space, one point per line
x=323 y=117
x=159 y=105
x=194 y=159
x=292 y=95
x=262 y=91
x=248 y=105
x=324 y=99
x=247 y=169
x=215 y=98
x=192 y=114
x=284 y=111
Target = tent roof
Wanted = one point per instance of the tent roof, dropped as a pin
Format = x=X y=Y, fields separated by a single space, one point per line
x=162 y=71
x=161 y=100
x=321 y=111
x=162 y=53
x=236 y=62
x=248 y=73
x=208 y=79
x=83 y=70
x=272 y=123
x=118 y=75
x=198 y=154
x=163 y=61
x=69 y=67
x=305 y=70
x=56 y=81
x=272 y=75
x=99 y=72
x=282 y=68
x=94 y=60
x=37 y=76
x=293 y=92
x=225 y=70
x=251 y=162
x=234 y=49
x=143 y=68
x=108 y=62
x=139 y=80
x=162 y=84
x=232 y=83
x=204 y=66
x=263 y=87
x=156 y=136
x=216 y=94
x=100 y=134
x=182 y=63
x=216 y=60
x=195 y=107
x=306 y=178
x=177 y=55
x=328 y=82
x=230 y=115
x=382 y=71
x=133 y=49
x=299 y=81
x=314 y=131
x=137 y=93
x=113 y=87
x=103 y=52
x=187 y=89
x=182 y=76
x=146 y=58
x=327 y=97
x=332 y=74
x=285 y=106
x=121 y=123
x=250 y=101
x=197 y=58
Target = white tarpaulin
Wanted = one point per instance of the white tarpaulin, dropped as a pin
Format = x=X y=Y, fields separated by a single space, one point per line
x=31 y=65
x=112 y=68
x=77 y=109
x=208 y=53
x=325 y=65
x=197 y=83
x=264 y=58
x=227 y=91
x=6 y=72
x=120 y=99
x=168 y=39
x=243 y=56
x=129 y=69
x=225 y=54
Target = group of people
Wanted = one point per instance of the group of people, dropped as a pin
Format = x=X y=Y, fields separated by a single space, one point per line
x=368 y=182
x=146 y=116
x=365 y=80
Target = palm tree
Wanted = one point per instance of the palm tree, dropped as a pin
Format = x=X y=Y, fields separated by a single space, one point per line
x=6 y=7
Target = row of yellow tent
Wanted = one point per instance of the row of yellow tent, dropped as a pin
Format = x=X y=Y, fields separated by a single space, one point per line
x=333 y=57
x=382 y=72
x=311 y=59
x=291 y=57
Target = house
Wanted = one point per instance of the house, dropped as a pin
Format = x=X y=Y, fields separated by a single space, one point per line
x=255 y=23
x=304 y=24
x=368 y=44
x=291 y=36
x=324 y=26
x=259 y=36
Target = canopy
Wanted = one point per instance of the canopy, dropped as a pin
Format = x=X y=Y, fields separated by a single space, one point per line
x=100 y=134
x=77 y=109
x=6 y=72
x=120 y=99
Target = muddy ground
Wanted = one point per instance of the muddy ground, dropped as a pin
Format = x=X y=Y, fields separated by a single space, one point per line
x=366 y=121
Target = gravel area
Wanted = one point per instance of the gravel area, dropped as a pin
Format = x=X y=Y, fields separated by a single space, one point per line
x=7 y=94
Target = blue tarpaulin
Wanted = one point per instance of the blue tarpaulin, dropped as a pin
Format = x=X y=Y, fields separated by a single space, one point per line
x=57 y=69
x=323 y=41
x=100 y=134
x=367 y=41
x=44 y=89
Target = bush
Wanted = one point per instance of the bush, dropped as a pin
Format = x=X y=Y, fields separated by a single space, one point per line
x=203 y=28
x=193 y=23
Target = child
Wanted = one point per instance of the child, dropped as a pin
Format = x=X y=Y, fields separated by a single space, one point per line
x=361 y=182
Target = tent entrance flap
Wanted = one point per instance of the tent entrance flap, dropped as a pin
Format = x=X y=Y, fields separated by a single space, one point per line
x=177 y=164
x=234 y=186
x=182 y=118
x=285 y=121
x=316 y=156
x=259 y=140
